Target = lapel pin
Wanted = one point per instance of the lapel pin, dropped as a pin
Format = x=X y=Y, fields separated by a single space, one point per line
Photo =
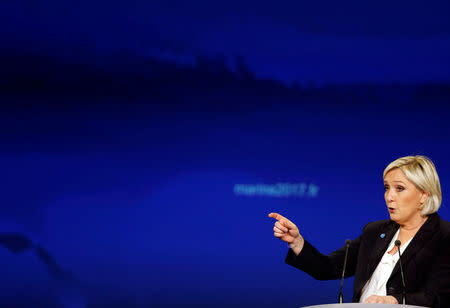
x=382 y=235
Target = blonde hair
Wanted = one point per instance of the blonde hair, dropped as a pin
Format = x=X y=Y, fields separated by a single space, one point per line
x=421 y=171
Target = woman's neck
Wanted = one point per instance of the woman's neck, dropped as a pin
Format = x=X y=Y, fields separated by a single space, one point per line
x=413 y=225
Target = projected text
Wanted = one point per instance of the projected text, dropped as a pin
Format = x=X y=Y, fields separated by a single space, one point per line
x=278 y=190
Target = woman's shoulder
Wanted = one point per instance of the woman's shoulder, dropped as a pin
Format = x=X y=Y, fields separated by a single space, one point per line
x=444 y=226
x=436 y=220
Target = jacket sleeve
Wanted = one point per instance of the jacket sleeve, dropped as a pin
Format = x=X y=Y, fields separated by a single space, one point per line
x=325 y=267
x=436 y=289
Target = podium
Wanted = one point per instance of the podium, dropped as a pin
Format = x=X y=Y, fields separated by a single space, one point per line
x=361 y=305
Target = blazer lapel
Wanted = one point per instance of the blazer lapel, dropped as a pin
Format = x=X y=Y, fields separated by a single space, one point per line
x=384 y=238
x=422 y=236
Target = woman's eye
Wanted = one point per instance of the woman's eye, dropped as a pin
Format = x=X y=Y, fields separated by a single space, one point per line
x=400 y=188
x=386 y=188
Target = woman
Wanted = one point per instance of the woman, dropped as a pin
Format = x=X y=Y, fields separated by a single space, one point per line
x=413 y=196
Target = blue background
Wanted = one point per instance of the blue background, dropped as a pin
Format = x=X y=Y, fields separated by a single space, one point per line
x=125 y=128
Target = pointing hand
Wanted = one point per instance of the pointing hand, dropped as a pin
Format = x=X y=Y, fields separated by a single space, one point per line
x=288 y=232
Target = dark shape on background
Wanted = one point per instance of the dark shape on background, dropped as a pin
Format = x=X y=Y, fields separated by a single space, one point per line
x=69 y=293
x=15 y=242
x=53 y=268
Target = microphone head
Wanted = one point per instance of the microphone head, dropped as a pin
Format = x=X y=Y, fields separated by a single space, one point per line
x=398 y=243
x=347 y=242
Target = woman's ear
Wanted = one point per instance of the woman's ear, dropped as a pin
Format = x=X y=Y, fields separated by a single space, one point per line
x=423 y=198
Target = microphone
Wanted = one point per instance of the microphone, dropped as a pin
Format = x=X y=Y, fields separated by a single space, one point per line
x=341 y=295
x=398 y=243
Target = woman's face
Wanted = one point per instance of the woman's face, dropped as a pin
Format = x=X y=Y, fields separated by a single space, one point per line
x=403 y=198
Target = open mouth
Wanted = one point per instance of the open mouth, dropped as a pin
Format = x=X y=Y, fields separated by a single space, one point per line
x=391 y=209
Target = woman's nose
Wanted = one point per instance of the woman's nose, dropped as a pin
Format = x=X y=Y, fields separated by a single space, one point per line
x=389 y=196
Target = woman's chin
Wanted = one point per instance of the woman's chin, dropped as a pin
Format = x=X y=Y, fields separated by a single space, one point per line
x=393 y=217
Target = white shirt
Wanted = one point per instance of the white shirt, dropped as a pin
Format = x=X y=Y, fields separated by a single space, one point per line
x=376 y=285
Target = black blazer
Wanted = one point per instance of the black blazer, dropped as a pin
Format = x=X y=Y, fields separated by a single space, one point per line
x=426 y=262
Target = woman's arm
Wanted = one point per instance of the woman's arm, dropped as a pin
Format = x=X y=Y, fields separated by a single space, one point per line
x=325 y=267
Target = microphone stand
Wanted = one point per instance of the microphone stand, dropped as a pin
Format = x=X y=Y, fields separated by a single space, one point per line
x=341 y=295
x=398 y=243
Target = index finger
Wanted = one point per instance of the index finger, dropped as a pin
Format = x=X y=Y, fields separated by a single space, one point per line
x=283 y=220
x=276 y=216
